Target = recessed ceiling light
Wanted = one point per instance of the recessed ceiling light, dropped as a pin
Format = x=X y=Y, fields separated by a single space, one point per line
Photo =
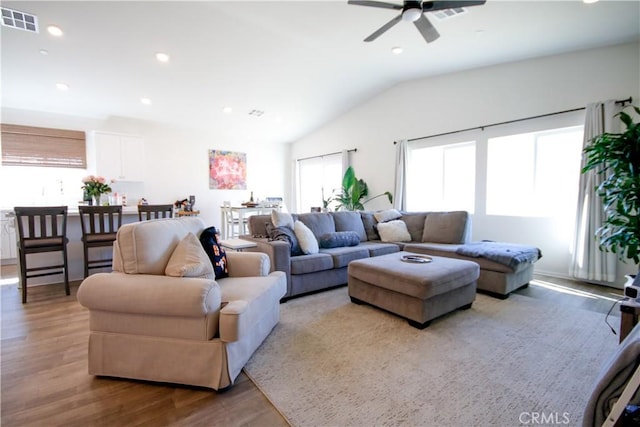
x=227 y=110
x=55 y=30
x=397 y=50
x=43 y=52
x=62 y=86
x=145 y=101
x=162 y=57
x=590 y=1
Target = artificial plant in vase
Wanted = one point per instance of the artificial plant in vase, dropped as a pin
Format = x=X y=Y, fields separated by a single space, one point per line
x=616 y=156
x=353 y=191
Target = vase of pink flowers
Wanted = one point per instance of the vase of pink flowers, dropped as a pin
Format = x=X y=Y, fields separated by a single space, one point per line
x=95 y=186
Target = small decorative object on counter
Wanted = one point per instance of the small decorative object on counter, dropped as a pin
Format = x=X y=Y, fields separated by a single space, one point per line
x=182 y=205
x=143 y=202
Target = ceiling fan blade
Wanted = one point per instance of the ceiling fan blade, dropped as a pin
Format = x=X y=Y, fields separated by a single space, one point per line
x=384 y=28
x=427 y=30
x=375 y=4
x=431 y=6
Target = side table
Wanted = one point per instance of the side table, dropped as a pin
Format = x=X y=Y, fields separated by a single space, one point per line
x=237 y=244
x=629 y=313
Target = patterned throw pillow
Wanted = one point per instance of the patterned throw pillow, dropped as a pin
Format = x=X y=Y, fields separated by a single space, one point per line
x=217 y=255
x=339 y=239
x=284 y=234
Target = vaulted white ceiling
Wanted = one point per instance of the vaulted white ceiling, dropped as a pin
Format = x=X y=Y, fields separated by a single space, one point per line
x=302 y=63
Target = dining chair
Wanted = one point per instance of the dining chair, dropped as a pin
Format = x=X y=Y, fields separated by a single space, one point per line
x=147 y=212
x=41 y=229
x=231 y=222
x=99 y=225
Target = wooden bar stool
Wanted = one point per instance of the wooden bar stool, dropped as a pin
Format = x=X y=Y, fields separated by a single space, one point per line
x=41 y=229
x=100 y=225
x=147 y=212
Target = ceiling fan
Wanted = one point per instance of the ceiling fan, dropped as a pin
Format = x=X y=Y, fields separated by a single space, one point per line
x=413 y=11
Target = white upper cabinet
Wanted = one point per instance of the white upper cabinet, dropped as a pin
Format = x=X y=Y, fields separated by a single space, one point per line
x=119 y=157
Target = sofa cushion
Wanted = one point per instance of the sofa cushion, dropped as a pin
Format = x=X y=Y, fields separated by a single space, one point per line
x=307 y=240
x=350 y=221
x=343 y=256
x=318 y=223
x=369 y=223
x=387 y=215
x=189 y=260
x=394 y=231
x=415 y=224
x=285 y=234
x=445 y=227
x=215 y=251
x=281 y=219
x=311 y=263
x=339 y=239
x=145 y=247
x=377 y=248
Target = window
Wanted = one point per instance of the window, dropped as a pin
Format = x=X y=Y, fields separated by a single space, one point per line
x=318 y=178
x=33 y=146
x=534 y=174
x=442 y=177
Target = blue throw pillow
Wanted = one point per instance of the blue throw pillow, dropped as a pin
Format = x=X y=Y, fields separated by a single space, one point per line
x=339 y=239
x=284 y=234
x=215 y=251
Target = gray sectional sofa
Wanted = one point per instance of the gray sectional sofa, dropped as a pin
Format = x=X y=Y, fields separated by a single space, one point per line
x=431 y=233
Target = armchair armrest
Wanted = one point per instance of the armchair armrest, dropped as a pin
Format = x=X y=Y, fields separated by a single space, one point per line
x=247 y=264
x=150 y=294
x=231 y=320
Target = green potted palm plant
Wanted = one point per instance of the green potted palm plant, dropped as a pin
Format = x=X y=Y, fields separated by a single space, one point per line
x=616 y=156
x=353 y=191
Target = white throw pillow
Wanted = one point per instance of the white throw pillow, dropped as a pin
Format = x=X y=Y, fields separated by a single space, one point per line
x=394 y=231
x=189 y=260
x=306 y=239
x=281 y=219
x=387 y=215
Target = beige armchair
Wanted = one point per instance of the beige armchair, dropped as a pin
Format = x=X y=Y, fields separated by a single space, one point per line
x=145 y=324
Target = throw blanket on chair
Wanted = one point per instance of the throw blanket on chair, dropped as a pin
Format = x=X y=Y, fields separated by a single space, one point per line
x=509 y=254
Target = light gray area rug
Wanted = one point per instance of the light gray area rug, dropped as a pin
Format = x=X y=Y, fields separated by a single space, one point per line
x=331 y=362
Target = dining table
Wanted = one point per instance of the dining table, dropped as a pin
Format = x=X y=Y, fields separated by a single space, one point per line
x=240 y=214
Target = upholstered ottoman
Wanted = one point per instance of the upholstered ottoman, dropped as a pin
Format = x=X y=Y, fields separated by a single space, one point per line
x=418 y=292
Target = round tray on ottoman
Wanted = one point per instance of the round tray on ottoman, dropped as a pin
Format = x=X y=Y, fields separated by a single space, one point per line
x=416 y=291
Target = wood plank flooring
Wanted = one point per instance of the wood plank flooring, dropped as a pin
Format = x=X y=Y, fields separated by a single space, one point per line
x=44 y=378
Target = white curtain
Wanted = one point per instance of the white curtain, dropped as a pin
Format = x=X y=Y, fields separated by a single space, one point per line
x=588 y=262
x=400 y=187
x=345 y=162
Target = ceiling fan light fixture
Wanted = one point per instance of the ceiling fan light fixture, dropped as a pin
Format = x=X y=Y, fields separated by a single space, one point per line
x=412 y=14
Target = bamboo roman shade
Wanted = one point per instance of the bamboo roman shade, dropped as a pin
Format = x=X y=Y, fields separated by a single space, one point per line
x=34 y=146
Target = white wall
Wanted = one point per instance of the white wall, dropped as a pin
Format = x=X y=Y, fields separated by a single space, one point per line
x=474 y=98
x=176 y=163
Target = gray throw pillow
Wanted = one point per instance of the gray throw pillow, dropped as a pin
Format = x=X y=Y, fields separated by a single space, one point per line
x=369 y=222
x=445 y=227
x=339 y=239
x=284 y=234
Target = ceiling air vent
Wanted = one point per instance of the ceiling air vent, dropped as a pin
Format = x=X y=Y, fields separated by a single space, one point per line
x=449 y=13
x=20 y=20
x=256 y=113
